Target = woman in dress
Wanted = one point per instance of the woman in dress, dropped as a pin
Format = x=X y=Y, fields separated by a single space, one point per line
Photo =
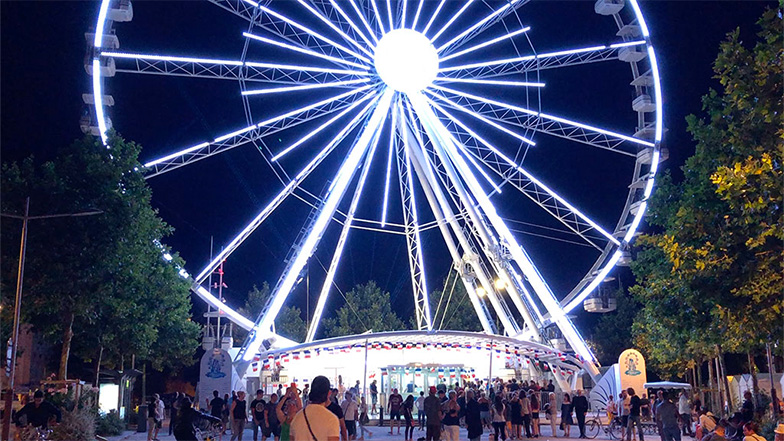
x=534 y=414
x=566 y=415
x=553 y=413
x=516 y=415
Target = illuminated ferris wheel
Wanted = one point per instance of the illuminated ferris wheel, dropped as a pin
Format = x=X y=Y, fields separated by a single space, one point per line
x=444 y=98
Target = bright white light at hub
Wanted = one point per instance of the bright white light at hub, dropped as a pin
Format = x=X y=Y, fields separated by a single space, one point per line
x=406 y=60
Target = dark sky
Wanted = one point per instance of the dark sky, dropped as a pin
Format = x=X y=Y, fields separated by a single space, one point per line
x=43 y=77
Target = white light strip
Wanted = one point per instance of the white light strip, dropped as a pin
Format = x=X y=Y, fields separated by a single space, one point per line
x=485 y=44
x=655 y=162
x=518 y=253
x=648 y=188
x=329 y=23
x=261 y=124
x=416 y=16
x=490 y=82
x=303 y=87
x=378 y=17
x=657 y=90
x=313 y=33
x=636 y=222
x=640 y=18
x=527 y=58
x=364 y=21
x=433 y=17
x=536 y=181
x=235 y=133
x=278 y=199
x=451 y=20
x=479 y=24
x=318 y=129
x=479 y=117
x=343 y=178
x=546 y=116
x=627 y=44
x=481 y=171
x=98 y=96
x=304 y=68
x=389 y=15
x=593 y=285
x=100 y=25
x=352 y=24
x=333 y=266
x=403 y=15
x=392 y=129
x=304 y=51
x=217 y=304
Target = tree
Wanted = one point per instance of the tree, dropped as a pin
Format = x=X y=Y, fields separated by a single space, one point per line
x=612 y=334
x=288 y=323
x=99 y=281
x=711 y=281
x=367 y=308
x=452 y=309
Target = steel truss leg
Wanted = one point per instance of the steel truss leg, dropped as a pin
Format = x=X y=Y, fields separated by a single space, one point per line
x=413 y=239
x=335 y=194
x=519 y=255
x=433 y=195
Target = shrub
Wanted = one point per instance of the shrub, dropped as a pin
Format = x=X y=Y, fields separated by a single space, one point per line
x=109 y=424
x=77 y=425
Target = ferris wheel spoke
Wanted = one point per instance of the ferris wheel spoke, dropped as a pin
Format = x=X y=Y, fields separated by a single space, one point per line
x=313 y=237
x=417 y=14
x=337 y=8
x=318 y=129
x=451 y=20
x=506 y=36
x=377 y=14
x=302 y=87
x=287 y=190
x=363 y=20
x=331 y=43
x=392 y=140
x=433 y=17
x=389 y=15
x=264 y=128
x=304 y=51
x=226 y=69
x=546 y=123
x=337 y=29
x=490 y=82
x=549 y=60
x=347 y=224
x=530 y=186
x=488 y=21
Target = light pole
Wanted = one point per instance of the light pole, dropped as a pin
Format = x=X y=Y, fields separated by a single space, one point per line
x=18 y=306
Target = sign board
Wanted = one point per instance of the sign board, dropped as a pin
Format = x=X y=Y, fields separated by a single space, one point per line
x=216 y=372
x=631 y=370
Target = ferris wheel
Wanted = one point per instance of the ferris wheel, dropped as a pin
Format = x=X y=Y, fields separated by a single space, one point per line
x=444 y=99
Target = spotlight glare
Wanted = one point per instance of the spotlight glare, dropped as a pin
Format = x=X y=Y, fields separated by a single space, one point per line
x=406 y=60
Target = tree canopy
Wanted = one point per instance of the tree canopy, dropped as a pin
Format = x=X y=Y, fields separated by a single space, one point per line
x=288 y=323
x=713 y=275
x=367 y=307
x=96 y=285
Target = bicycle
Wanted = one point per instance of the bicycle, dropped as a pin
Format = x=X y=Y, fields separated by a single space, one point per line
x=594 y=426
x=30 y=433
x=207 y=431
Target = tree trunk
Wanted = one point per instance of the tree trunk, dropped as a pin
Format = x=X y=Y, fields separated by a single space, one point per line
x=723 y=378
x=713 y=386
x=66 y=350
x=98 y=365
x=755 y=383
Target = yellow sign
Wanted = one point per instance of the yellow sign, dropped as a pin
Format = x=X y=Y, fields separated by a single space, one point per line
x=631 y=365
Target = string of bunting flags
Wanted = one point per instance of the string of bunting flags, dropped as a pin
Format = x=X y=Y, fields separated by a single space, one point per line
x=523 y=355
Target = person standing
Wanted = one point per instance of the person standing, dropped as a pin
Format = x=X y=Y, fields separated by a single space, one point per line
x=515 y=416
x=173 y=411
x=535 y=413
x=350 y=414
x=363 y=419
x=335 y=408
x=432 y=407
x=451 y=418
x=473 y=417
x=420 y=406
x=747 y=408
x=271 y=422
x=305 y=392
x=566 y=415
x=408 y=417
x=655 y=412
x=623 y=412
x=553 y=413
x=315 y=422
x=635 y=405
x=239 y=415
x=393 y=407
x=287 y=408
x=498 y=412
x=580 y=405
x=155 y=417
x=667 y=416
x=525 y=409
x=373 y=396
x=684 y=409
x=257 y=414
x=611 y=409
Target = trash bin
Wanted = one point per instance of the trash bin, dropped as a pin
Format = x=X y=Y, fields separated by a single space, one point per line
x=141 y=419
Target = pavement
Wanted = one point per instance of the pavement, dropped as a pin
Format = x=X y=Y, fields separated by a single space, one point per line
x=379 y=434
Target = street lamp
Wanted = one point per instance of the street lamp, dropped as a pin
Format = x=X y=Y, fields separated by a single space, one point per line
x=18 y=304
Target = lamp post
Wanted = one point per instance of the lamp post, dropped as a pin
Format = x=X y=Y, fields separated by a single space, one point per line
x=9 y=398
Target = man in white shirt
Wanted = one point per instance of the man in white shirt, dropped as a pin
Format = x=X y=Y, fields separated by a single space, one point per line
x=315 y=422
x=684 y=409
x=420 y=405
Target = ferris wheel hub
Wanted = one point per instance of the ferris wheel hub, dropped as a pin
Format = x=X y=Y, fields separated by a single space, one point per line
x=406 y=60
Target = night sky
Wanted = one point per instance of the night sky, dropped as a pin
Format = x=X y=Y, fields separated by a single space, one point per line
x=43 y=77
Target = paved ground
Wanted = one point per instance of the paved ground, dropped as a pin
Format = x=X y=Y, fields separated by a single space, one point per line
x=379 y=434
